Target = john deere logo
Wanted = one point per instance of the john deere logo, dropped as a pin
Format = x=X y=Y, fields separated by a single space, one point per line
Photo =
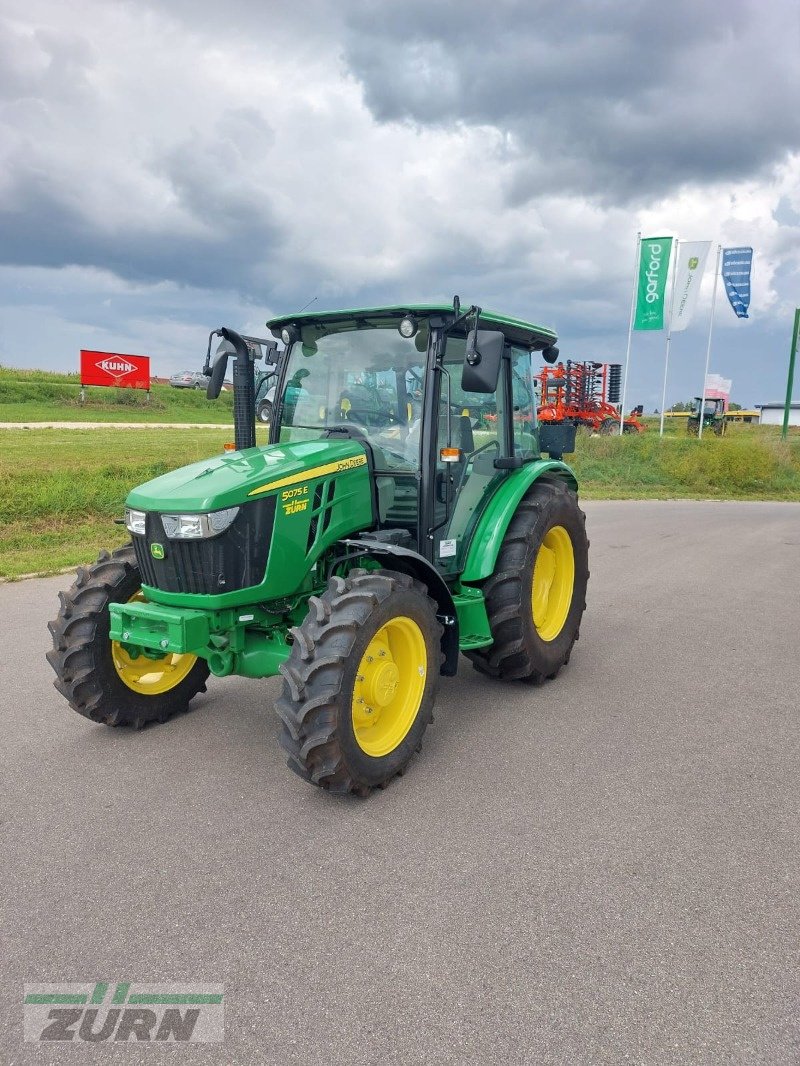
x=157 y=551
x=693 y=263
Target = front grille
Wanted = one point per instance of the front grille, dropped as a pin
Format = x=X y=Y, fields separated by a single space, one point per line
x=236 y=559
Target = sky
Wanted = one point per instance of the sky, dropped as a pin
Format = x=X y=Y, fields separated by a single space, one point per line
x=170 y=167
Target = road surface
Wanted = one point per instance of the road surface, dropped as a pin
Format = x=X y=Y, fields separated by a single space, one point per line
x=601 y=870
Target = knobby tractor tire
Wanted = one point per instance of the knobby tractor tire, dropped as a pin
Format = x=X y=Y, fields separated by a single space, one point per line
x=608 y=426
x=265 y=411
x=548 y=510
x=324 y=677
x=86 y=674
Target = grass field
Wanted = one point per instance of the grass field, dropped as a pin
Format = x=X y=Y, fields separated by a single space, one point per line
x=62 y=489
x=38 y=396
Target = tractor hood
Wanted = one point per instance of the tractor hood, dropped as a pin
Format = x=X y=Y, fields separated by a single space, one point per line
x=230 y=479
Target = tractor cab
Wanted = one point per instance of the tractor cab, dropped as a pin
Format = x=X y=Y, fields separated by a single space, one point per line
x=438 y=436
x=712 y=407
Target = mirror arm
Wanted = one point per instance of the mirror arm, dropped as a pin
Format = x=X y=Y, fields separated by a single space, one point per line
x=462 y=316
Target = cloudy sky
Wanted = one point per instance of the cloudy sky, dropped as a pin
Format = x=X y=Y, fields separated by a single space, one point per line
x=172 y=166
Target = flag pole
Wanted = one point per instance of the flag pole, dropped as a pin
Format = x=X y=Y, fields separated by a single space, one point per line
x=630 y=329
x=708 y=347
x=790 y=380
x=669 y=335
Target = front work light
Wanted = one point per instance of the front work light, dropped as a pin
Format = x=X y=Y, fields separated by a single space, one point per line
x=407 y=327
x=198 y=526
x=289 y=335
x=135 y=521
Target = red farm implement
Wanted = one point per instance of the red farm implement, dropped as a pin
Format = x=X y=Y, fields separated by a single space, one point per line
x=584 y=394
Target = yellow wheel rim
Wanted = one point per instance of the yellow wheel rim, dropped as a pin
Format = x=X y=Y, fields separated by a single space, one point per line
x=150 y=677
x=553 y=582
x=390 y=682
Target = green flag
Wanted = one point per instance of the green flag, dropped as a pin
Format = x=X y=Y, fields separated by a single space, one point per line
x=653 y=266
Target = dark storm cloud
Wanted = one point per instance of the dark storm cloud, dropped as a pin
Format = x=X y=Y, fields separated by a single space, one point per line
x=610 y=100
x=221 y=238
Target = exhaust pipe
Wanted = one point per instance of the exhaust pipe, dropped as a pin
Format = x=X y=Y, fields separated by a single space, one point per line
x=244 y=386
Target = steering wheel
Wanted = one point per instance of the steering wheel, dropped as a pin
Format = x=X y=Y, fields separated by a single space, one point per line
x=489 y=444
x=354 y=428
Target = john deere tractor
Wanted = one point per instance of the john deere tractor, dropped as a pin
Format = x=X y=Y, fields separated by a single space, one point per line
x=401 y=513
x=713 y=413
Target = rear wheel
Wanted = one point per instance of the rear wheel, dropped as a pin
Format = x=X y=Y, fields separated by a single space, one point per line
x=264 y=411
x=102 y=679
x=537 y=595
x=360 y=682
x=608 y=426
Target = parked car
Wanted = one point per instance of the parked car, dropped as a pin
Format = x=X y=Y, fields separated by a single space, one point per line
x=189 y=379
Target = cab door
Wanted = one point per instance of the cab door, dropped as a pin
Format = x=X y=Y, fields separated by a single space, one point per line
x=471 y=435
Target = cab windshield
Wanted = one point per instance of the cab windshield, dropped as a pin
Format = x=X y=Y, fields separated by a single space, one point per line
x=364 y=376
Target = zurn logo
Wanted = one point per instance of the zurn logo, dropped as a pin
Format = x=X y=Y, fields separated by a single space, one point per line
x=104 y=1011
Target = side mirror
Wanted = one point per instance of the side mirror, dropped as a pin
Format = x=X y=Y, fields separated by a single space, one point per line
x=550 y=354
x=482 y=360
x=219 y=368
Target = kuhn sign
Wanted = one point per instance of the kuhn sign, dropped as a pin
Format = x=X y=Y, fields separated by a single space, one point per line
x=110 y=368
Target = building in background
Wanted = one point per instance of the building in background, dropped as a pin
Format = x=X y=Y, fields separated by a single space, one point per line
x=772 y=414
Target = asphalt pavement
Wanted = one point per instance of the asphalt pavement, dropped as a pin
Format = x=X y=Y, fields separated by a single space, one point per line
x=600 y=870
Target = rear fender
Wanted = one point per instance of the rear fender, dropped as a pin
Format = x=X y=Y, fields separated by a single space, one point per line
x=485 y=544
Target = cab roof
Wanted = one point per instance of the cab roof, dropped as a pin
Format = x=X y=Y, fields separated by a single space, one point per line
x=524 y=334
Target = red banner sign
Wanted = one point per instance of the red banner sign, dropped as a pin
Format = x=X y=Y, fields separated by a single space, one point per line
x=111 y=368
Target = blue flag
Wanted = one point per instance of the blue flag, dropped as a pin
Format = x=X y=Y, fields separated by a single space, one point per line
x=736 y=264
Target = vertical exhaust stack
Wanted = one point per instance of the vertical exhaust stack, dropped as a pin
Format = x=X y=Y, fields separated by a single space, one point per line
x=244 y=386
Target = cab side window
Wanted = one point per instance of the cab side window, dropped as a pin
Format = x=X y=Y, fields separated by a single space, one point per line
x=523 y=397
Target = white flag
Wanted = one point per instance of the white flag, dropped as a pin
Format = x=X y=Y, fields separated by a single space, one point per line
x=689 y=269
x=715 y=383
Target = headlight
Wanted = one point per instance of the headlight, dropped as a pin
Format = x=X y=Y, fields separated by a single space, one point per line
x=198 y=526
x=135 y=521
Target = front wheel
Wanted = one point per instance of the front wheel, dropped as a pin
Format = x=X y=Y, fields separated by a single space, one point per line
x=105 y=680
x=360 y=683
x=264 y=411
x=537 y=595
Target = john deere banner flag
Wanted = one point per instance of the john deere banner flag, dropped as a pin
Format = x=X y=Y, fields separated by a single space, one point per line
x=654 y=256
x=689 y=267
x=736 y=264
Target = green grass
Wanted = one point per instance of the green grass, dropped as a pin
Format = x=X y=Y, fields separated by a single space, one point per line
x=748 y=463
x=62 y=489
x=38 y=396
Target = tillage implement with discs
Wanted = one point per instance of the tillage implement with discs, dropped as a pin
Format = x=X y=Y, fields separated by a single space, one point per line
x=402 y=512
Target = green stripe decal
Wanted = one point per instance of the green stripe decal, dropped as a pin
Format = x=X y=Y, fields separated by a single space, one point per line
x=175 y=997
x=99 y=993
x=55 y=997
x=120 y=993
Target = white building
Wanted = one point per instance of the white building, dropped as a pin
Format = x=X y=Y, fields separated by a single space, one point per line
x=772 y=414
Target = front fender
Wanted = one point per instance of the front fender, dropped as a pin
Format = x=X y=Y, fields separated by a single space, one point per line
x=485 y=544
x=412 y=563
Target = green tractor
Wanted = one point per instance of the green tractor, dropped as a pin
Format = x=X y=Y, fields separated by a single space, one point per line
x=401 y=513
x=713 y=413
